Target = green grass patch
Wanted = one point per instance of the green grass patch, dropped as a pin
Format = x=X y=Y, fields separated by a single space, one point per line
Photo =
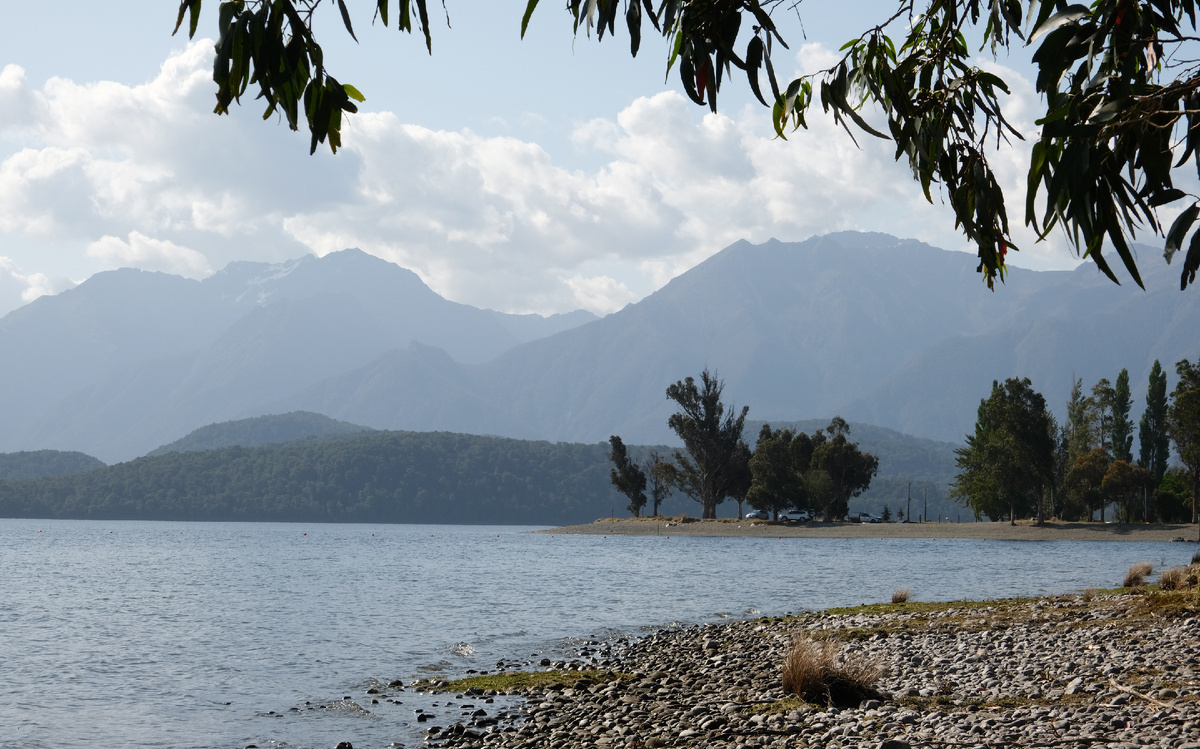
x=778 y=707
x=512 y=682
x=1170 y=604
x=926 y=607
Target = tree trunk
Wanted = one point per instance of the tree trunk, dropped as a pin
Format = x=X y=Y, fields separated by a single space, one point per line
x=1195 y=491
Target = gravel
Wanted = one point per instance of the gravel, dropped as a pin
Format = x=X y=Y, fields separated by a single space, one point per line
x=1069 y=671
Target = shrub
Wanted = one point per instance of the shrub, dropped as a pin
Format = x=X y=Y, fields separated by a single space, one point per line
x=1196 y=558
x=1174 y=578
x=1136 y=577
x=814 y=672
x=900 y=595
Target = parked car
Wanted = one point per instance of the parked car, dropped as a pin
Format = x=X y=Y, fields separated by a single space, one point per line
x=797 y=517
x=866 y=517
x=758 y=515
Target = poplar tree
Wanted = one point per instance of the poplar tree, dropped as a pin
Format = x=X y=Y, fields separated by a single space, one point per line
x=1121 y=431
x=1183 y=422
x=1153 y=440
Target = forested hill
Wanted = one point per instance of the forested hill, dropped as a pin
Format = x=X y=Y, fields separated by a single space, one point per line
x=39 y=463
x=395 y=477
x=388 y=477
x=260 y=430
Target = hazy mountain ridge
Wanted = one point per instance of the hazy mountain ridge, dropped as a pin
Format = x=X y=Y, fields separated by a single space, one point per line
x=876 y=329
x=129 y=360
x=879 y=330
x=259 y=431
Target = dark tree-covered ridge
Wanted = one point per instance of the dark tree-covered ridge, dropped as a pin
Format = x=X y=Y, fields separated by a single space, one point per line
x=41 y=463
x=387 y=477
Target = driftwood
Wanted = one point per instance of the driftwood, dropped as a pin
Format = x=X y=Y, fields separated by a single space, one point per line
x=1166 y=706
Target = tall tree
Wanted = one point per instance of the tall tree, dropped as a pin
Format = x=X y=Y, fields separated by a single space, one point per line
x=710 y=471
x=850 y=469
x=740 y=481
x=1118 y=119
x=627 y=476
x=662 y=476
x=1009 y=460
x=1080 y=427
x=1121 y=430
x=1153 y=441
x=1183 y=422
x=1101 y=405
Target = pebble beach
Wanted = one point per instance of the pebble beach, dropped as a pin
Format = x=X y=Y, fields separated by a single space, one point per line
x=1117 y=670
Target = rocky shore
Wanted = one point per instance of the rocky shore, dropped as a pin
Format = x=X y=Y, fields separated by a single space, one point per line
x=1117 y=670
x=1053 y=530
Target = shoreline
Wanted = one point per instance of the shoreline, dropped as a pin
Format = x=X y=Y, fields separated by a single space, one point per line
x=1077 y=670
x=986 y=531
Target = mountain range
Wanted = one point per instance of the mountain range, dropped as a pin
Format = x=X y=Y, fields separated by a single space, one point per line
x=876 y=329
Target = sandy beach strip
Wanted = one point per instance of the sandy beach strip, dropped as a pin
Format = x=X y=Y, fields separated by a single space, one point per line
x=1000 y=531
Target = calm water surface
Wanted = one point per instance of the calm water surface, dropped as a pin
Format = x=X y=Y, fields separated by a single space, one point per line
x=203 y=634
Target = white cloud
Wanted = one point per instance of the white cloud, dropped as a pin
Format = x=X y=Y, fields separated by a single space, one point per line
x=148 y=253
x=17 y=287
x=20 y=108
x=490 y=221
x=601 y=293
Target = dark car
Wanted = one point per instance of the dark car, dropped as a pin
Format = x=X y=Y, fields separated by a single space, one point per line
x=758 y=515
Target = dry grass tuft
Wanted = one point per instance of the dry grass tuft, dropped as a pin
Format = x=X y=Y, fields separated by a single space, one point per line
x=1174 y=578
x=1180 y=578
x=1136 y=577
x=814 y=672
x=900 y=595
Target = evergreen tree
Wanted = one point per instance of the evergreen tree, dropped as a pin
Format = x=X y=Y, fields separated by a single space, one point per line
x=778 y=483
x=661 y=475
x=1153 y=440
x=1009 y=460
x=712 y=469
x=627 y=476
x=850 y=470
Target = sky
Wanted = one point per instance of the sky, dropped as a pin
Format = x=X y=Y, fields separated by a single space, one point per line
x=538 y=175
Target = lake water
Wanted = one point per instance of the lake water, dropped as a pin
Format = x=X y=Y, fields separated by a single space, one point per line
x=204 y=634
